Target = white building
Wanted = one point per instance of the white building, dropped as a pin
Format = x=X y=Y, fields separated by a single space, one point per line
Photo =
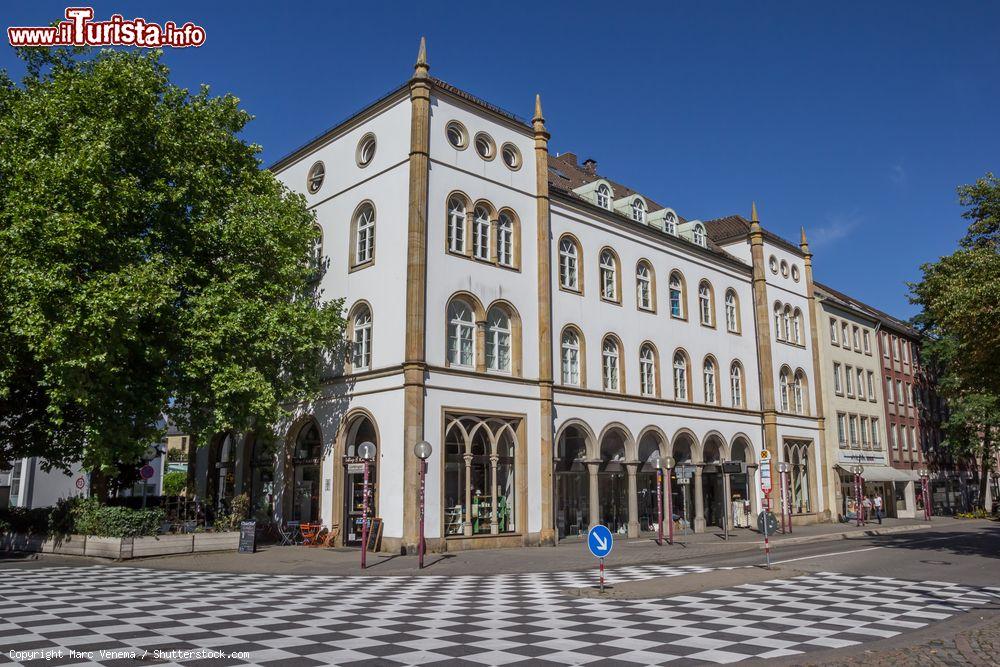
x=545 y=328
x=29 y=485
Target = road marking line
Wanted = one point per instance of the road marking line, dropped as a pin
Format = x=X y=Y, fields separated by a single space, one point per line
x=835 y=553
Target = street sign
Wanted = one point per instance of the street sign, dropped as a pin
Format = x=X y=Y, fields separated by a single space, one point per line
x=684 y=480
x=600 y=541
x=765 y=476
x=765 y=455
x=685 y=470
x=81 y=482
x=772 y=522
x=146 y=472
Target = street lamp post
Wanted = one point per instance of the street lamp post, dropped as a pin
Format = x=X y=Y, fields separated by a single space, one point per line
x=668 y=463
x=366 y=450
x=857 y=470
x=785 y=492
x=923 y=493
x=422 y=450
x=658 y=464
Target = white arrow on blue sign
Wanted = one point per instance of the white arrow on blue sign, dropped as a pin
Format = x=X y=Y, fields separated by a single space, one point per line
x=600 y=541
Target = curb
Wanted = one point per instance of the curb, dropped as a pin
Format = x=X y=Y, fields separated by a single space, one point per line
x=846 y=535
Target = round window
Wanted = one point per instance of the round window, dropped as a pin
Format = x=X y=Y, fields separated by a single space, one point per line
x=485 y=146
x=314 y=181
x=774 y=264
x=511 y=156
x=784 y=268
x=457 y=136
x=366 y=150
x=795 y=272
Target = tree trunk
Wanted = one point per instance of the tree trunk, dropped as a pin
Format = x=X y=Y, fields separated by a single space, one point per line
x=986 y=468
x=192 y=468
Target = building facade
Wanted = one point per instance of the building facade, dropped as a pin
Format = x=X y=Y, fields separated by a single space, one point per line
x=550 y=331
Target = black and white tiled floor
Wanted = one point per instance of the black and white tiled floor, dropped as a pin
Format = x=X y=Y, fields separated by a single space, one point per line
x=292 y=620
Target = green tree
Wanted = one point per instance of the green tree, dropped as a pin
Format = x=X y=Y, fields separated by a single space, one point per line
x=149 y=265
x=174 y=482
x=960 y=300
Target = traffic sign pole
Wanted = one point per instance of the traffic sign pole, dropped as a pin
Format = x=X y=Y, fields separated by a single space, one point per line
x=600 y=541
x=767 y=544
x=602 y=575
x=659 y=506
x=670 y=512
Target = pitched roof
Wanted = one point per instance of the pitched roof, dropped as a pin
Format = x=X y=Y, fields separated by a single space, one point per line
x=735 y=227
x=886 y=319
x=565 y=173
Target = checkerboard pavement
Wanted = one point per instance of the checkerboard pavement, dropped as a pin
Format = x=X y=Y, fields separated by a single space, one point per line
x=292 y=620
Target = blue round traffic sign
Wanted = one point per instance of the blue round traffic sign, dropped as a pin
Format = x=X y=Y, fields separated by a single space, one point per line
x=600 y=541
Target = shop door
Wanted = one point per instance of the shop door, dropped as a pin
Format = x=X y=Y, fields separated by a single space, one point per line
x=613 y=494
x=354 y=493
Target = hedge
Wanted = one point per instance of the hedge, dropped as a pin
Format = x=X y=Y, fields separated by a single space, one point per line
x=82 y=516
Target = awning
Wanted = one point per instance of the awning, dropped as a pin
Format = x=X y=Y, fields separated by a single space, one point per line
x=885 y=474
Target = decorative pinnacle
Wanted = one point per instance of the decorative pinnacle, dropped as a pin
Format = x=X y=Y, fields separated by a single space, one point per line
x=753 y=212
x=803 y=241
x=538 y=109
x=421 y=67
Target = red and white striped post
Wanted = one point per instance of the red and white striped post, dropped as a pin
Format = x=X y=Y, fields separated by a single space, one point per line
x=422 y=450
x=669 y=463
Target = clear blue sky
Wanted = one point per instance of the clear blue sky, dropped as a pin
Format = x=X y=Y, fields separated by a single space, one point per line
x=856 y=120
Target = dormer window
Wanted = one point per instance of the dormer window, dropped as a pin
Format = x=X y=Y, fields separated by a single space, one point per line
x=638 y=210
x=604 y=196
x=670 y=224
x=699 y=235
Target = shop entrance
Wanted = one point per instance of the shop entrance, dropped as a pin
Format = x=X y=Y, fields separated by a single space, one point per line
x=682 y=495
x=712 y=484
x=612 y=483
x=361 y=430
x=740 y=487
x=572 y=484
x=645 y=484
x=306 y=457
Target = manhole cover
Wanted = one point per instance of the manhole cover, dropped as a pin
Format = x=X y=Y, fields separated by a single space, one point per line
x=936 y=562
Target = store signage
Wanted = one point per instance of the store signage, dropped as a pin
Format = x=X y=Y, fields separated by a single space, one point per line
x=248 y=537
x=600 y=541
x=683 y=480
x=734 y=467
x=356 y=468
x=854 y=456
x=685 y=470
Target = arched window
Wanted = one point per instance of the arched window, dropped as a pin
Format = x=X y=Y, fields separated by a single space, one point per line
x=571 y=348
x=644 y=285
x=638 y=210
x=481 y=234
x=647 y=370
x=783 y=382
x=461 y=334
x=604 y=196
x=609 y=275
x=498 y=340
x=797 y=456
x=797 y=326
x=505 y=239
x=456 y=225
x=698 y=235
x=711 y=396
x=736 y=384
x=362 y=338
x=786 y=316
x=480 y=493
x=706 y=309
x=610 y=364
x=732 y=312
x=316 y=254
x=676 y=295
x=364 y=234
x=569 y=264
x=799 y=391
x=777 y=320
x=680 y=377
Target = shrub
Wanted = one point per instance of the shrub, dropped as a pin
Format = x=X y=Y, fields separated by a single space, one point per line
x=92 y=518
x=174 y=483
x=975 y=514
x=239 y=510
x=25 y=521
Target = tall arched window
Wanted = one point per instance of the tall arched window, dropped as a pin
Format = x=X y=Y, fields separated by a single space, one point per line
x=569 y=264
x=777 y=321
x=316 y=255
x=799 y=392
x=698 y=235
x=571 y=358
x=676 y=295
x=364 y=234
x=456 y=225
x=461 y=334
x=644 y=285
x=638 y=210
x=736 y=384
x=797 y=326
x=680 y=377
x=610 y=364
x=609 y=275
x=505 y=239
x=706 y=309
x=670 y=223
x=481 y=234
x=797 y=456
x=362 y=339
x=783 y=386
x=498 y=340
x=732 y=312
x=711 y=396
x=604 y=196
x=786 y=316
x=647 y=370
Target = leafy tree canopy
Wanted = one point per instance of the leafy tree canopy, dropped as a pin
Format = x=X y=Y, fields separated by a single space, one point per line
x=149 y=265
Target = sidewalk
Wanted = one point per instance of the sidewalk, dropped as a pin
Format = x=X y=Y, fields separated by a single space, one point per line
x=569 y=555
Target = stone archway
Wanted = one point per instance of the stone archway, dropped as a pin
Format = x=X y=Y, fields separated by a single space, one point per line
x=685 y=451
x=651 y=442
x=614 y=477
x=743 y=485
x=572 y=484
x=712 y=482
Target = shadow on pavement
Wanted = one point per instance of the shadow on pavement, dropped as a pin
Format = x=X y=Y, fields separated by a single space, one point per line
x=984 y=543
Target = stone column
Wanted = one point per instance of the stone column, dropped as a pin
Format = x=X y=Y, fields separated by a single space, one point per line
x=699 y=502
x=595 y=506
x=633 y=501
x=468 y=495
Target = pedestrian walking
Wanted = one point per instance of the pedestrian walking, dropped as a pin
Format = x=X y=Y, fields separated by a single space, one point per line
x=866 y=506
x=878 y=507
